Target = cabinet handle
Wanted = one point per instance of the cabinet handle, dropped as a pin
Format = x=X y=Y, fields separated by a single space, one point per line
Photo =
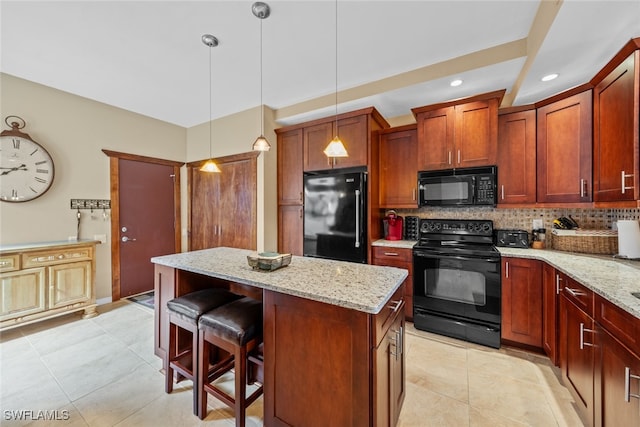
x=506 y=269
x=449 y=157
x=357 y=228
x=401 y=336
x=391 y=253
x=584 y=344
x=395 y=305
x=627 y=384
x=502 y=191
x=300 y=212
x=414 y=194
x=458 y=156
x=394 y=338
x=301 y=200
x=624 y=176
x=558 y=280
x=574 y=293
x=583 y=191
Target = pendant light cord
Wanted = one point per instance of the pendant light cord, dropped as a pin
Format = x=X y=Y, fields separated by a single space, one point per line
x=261 y=103
x=336 y=68
x=210 y=108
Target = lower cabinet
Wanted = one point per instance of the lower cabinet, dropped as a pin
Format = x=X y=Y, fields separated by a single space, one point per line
x=46 y=281
x=551 y=286
x=401 y=258
x=522 y=301
x=290 y=229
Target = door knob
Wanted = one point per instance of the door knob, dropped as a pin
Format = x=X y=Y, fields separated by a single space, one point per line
x=126 y=239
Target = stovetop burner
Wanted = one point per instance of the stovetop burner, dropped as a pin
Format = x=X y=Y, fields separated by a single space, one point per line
x=456 y=236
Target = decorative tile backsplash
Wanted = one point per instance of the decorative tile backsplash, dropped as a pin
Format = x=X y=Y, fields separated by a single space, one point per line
x=593 y=219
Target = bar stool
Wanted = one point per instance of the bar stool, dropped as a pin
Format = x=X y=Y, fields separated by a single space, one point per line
x=235 y=328
x=183 y=313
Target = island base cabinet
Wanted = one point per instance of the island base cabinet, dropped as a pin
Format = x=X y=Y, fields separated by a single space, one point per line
x=317 y=359
x=617 y=384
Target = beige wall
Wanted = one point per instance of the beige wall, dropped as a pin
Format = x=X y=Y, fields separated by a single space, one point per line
x=75 y=130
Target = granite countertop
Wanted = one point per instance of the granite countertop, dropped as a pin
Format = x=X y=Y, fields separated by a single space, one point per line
x=614 y=279
x=361 y=287
x=406 y=244
x=18 y=247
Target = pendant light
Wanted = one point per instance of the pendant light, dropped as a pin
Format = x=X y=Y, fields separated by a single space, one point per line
x=210 y=165
x=261 y=11
x=336 y=147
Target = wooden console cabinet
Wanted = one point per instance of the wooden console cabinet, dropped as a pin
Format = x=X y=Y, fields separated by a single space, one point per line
x=46 y=280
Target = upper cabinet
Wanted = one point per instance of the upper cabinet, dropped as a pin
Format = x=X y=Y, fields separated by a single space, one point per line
x=290 y=167
x=517 y=157
x=615 y=127
x=461 y=133
x=398 y=167
x=564 y=149
x=354 y=129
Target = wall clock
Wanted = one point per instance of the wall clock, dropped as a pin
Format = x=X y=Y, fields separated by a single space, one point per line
x=26 y=168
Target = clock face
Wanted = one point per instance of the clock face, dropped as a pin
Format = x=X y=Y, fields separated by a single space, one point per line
x=26 y=169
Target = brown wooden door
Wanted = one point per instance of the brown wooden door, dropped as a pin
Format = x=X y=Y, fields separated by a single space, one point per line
x=398 y=168
x=290 y=148
x=223 y=206
x=435 y=139
x=551 y=285
x=616 y=366
x=522 y=301
x=146 y=221
x=290 y=229
x=577 y=356
x=564 y=150
x=316 y=138
x=615 y=131
x=353 y=134
x=517 y=157
x=476 y=134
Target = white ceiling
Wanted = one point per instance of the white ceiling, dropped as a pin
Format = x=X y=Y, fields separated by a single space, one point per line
x=147 y=56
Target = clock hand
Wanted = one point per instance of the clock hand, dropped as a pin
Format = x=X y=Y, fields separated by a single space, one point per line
x=22 y=167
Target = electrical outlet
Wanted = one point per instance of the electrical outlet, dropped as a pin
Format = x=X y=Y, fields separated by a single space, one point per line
x=101 y=237
x=537 y=223
x=72 y=238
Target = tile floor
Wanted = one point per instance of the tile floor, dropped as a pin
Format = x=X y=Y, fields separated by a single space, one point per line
x=102 y=372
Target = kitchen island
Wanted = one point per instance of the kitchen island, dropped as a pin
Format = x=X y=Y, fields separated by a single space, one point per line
x=333 y=332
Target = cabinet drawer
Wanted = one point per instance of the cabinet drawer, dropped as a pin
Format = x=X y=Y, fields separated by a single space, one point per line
x=9 y=262
x=386 y=254
x=578 y=294
x=383 y=320
x=619 y=323
x=37 y=259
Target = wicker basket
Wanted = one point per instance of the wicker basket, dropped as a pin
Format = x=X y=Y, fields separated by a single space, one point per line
x=268 y=261
x=604 y=242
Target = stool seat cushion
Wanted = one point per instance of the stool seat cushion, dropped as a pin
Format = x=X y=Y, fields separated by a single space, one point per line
x=192 y=305
x=239 y=321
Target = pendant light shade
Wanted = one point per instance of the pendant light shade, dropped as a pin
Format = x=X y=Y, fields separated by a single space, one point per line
x=261 y=11
x=336 y=147
x=210 y=165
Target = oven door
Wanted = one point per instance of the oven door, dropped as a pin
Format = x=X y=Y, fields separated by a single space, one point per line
x=449 y=190
x=457 y=286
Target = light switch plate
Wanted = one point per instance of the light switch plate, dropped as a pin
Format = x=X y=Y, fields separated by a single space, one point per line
x=537 y=223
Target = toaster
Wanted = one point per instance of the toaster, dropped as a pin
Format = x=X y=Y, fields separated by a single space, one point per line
x=512 y=238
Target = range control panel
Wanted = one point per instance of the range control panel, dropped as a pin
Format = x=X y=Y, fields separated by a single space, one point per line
x=456 y=226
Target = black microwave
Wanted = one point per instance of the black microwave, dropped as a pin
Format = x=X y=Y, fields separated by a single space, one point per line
x=458 y=187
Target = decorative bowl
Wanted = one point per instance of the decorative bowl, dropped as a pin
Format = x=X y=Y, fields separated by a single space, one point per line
x=268 y=261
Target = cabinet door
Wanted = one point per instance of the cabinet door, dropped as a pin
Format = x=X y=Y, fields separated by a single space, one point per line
x=290 y=231
x=564 y=150
x=316 y=138
x=435 y=139
x=522 y=301
x=517 y=157
x=577 y=356
x=290 y=168
x=164 y=286
x=617 y=384
x=614 y=134
x=70 y=283
x=353 y=134
x=22 y=293
x=476 y=134
x=398 y=169
x=551 y=286
x=401 y=258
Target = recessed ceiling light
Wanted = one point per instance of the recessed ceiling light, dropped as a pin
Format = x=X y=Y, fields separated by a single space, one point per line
x=456 y=82
x=549 y=77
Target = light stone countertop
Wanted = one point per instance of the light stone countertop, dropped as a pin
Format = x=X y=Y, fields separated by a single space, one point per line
x=361 y=287
x=405 y=244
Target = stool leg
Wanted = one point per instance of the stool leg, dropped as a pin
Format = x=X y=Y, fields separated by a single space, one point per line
x=201 y=378
x=170 y=354
x=240 y=363
x=195 y=352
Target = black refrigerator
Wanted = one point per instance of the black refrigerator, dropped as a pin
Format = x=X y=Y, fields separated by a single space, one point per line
x=335 y=215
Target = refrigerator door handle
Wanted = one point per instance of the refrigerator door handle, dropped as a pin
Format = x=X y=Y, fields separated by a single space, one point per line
x=357 y=218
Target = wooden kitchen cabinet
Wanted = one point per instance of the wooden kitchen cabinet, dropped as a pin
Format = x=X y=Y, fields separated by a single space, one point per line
x=517 y=157
x=398 y=167
x=45 y=281
x=289 y=163
x=552 y=281
x=616 y=99
x=522 y=301
x=577 y=346
x=564 y=149
x=290 y=229
x=462 y=133
x=401 y=258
